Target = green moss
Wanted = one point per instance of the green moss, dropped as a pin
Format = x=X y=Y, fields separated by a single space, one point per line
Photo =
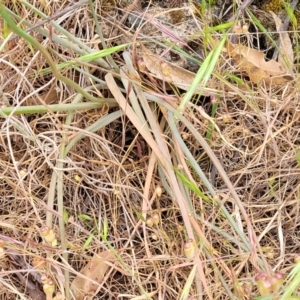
x=274 y=5
x=108 y=5
x=278 y=7
x=177 y=16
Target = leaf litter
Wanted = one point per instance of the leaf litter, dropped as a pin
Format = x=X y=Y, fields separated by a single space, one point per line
x=259 y=70
x=91 y=276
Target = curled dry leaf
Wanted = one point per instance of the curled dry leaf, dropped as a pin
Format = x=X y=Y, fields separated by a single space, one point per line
x=258 y=69
x=94 y=271
x=286 y=53
x=166 y=71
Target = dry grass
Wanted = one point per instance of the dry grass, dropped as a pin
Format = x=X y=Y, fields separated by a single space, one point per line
x=100 y=192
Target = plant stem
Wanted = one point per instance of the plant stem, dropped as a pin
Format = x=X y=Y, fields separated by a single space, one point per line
x=46 y=55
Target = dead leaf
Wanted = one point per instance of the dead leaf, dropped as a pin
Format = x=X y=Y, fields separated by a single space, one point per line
x=286 y=54
x=48 y=98
x=168 y=72
x=257 y=59
x=94 y=271
x=258 y=69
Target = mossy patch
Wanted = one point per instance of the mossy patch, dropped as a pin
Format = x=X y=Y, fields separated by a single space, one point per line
x=274 y=5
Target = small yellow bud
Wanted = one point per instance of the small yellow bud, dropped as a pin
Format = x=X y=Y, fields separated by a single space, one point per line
x=45 y=230
x=154 y=237
x=189 y=249
x=117 y=193
x=270 y=254
x=49 y=288
x=48 y=236
x=180 y=228
x=78 y=178
x=23 y=173
x=226 y=118
x=185 y=136
x=149 y=222
x=277 y=281
x=245 y=28
x=263 y=283
x=269 y=251
x=158 y=191
x=216 y=197
x=237 y=28
x=155 y=218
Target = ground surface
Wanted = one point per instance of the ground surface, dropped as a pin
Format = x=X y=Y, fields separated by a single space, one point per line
x=124 y=177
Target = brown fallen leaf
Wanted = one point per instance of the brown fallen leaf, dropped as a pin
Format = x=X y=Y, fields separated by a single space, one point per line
x=286 y=53
x=258 y=69
x=48 y=97
x=94 y=271
x=166 y=71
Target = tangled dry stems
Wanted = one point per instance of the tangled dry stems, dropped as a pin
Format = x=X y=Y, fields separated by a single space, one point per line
x=259 y=156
